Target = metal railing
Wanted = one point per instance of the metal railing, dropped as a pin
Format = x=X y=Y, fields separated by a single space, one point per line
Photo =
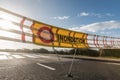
x=23 y=29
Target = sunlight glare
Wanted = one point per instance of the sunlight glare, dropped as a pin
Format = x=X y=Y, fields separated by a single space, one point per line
x=4 y=24
x=9 y=17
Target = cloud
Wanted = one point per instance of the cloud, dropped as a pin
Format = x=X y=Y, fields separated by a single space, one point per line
x=99 y=26
x=109 y=14
x=61 y=17
x=83 y=14
x=96 y=15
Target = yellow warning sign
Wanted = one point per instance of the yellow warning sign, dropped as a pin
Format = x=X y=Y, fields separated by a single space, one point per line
x=44 y=34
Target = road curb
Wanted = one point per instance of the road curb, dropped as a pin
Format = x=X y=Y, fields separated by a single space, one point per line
x=100 y=59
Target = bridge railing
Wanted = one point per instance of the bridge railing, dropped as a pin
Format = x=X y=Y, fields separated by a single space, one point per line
x=18 y=28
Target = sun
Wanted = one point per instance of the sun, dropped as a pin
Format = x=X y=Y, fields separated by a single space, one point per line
x=6 y=28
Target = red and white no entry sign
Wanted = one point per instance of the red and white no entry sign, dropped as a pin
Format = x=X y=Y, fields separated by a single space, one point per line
x=45 y=34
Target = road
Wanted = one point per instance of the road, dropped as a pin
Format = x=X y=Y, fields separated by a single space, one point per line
x=27 y=66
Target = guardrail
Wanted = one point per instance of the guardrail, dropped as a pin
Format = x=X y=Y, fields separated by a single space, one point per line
x=26 y=30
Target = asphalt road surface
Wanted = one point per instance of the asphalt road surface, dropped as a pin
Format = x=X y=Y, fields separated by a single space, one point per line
x=27 y=66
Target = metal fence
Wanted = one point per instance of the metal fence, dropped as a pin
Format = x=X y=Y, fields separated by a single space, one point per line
x=17 y=28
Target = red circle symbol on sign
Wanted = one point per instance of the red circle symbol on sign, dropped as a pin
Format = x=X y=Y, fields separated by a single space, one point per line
x=45 y=34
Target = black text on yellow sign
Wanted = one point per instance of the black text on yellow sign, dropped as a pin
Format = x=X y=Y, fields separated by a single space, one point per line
x=68 y=39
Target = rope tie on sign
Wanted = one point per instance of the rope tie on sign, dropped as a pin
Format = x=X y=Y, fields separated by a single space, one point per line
x=21 y=27
x=32 y=28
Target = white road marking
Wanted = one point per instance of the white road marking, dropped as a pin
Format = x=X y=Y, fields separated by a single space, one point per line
x=18 y=56
x=10 y=57
x=44 y=56
x=31 y=56
x=3 y=57
x=46 y=66
x=4 y=53
x=37 y=56
x=114 y=63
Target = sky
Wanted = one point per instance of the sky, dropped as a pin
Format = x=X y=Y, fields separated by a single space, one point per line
x=99 y=17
